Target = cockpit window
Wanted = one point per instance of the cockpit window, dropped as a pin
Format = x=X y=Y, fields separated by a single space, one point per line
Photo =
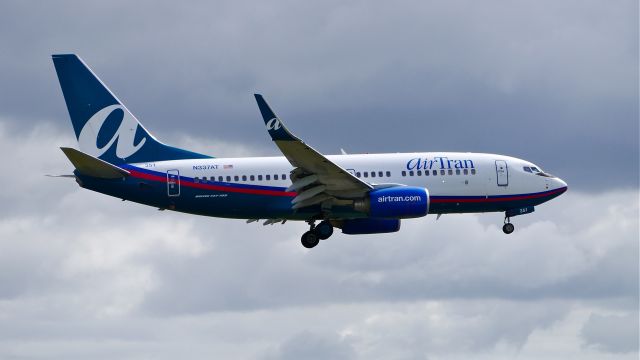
x=536 y=171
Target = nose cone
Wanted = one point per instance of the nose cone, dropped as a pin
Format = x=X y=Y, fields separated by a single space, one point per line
x=560 y=185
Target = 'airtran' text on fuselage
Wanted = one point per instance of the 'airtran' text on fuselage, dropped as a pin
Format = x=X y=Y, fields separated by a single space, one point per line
x=438 y=162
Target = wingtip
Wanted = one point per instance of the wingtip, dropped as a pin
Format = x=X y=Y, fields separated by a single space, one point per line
x=63 y=55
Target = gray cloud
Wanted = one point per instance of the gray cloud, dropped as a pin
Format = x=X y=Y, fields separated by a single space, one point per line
x=87 y=276
x=553 y=82
x=612 y=333
x=84 y=275
x=307 y=345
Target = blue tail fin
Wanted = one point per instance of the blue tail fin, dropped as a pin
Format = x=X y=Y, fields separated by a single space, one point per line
x=103 y=125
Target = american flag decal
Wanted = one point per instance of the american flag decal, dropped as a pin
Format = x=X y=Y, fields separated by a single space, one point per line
x=227 y=167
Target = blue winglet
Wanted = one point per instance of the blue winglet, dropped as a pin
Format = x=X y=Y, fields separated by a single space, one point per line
x=275 y=127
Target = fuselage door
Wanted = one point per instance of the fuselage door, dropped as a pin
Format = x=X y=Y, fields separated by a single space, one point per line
x=502 y=173
x=173 y=183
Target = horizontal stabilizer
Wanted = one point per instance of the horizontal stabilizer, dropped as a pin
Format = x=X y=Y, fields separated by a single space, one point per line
x=91 y=166
x=61 y=176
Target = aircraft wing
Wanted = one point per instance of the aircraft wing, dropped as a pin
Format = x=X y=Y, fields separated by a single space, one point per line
x=316 y=178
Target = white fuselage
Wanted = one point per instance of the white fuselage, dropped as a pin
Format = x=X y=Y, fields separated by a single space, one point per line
x=456 y=182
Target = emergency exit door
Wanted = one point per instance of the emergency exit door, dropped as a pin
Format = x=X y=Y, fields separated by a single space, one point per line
x=502 y=173
x=173 y=183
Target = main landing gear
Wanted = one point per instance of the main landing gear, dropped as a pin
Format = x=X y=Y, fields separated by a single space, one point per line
x=508 y=227
x=311 y=238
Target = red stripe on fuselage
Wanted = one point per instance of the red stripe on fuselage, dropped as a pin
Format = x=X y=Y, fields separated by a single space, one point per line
x=498 y=199
x=151 y=177
x=434 y=200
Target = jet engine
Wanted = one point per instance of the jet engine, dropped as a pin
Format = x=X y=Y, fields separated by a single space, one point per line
x=398 y=202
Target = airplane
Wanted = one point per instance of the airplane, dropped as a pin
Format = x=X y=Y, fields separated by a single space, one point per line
x=356 y=193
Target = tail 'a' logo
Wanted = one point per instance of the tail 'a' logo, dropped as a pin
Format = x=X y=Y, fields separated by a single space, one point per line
x=104 y=127
x=273 y=124
x=124 y=137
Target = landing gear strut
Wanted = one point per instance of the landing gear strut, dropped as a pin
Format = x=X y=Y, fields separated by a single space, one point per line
x=312 y=237
x=508 y=227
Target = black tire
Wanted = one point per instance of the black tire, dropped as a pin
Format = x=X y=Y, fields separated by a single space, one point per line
x=309 y=239
x=324 y=230
x=508 y=228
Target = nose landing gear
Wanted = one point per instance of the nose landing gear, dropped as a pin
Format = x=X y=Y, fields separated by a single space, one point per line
x=311 y=238
x=508 y=227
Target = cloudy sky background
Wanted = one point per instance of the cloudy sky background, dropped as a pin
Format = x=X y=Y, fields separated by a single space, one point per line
x=556 y=82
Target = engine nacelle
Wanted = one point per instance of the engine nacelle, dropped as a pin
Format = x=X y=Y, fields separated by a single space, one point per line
x=370 y=226
x=398 y=202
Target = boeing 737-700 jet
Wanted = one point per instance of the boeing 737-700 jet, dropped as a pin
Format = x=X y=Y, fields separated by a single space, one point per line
x=359 y=194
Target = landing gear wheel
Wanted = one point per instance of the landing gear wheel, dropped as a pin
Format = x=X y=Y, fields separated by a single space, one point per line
x=310 y=239
x=508 y=228
x=324 y=230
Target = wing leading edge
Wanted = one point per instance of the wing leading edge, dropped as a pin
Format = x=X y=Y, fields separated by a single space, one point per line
x=317 y=179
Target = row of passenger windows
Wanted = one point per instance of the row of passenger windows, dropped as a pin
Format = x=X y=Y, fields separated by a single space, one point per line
x=365 y=174
x=236 y=178
x=442 y=172
x=373 y=174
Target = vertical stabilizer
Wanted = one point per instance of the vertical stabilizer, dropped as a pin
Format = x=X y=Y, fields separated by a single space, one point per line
x=103 y=126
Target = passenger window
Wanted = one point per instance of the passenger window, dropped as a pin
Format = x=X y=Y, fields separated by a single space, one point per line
x=457 y=171
x=236 y=178
x=450 y=172
x=373 y=174
x=388 y=173
x=380 y=174
x=284 y=177
x=419 y=172
x=435 y=172
x=358 y=174
x=252 y=178
x=244 y=177
x=267 y=177
x=411 y=173
x=366 y=174
x=228 y=178
x=259 y=177
x=195 y=179
x=220 y=179
x=275 y=177
x=426 y=173
x=473 y=171
x=404 y=173
x=465 y=171
x=441 y=172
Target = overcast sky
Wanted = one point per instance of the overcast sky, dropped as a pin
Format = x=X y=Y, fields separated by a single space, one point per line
x=555 y=82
